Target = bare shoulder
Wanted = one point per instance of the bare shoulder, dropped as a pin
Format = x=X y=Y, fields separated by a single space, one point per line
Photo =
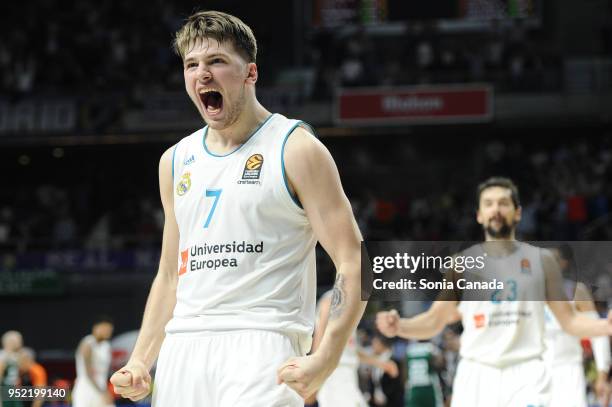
x=165 y=162
x=166 y=177
x=303 y=144
x=306 y=157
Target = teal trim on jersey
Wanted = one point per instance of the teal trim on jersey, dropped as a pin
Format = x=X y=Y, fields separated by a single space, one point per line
x=293 y=196
x=173 y=154
x=312 y=131
x=239 y=147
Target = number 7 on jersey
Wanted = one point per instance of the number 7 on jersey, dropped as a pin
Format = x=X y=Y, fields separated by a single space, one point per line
x=216 y=193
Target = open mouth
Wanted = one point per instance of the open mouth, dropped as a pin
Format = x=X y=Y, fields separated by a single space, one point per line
x=212 y=100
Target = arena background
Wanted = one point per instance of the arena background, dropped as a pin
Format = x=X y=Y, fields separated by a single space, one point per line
x=417 y=102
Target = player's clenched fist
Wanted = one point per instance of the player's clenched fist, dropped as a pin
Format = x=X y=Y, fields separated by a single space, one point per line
x=387 y=322
x=133 y=381
x=304 y=374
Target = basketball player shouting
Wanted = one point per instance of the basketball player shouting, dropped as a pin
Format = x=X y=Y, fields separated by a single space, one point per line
x=503 y=339
x=246 y=198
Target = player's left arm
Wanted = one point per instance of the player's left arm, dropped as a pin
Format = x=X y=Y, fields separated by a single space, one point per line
x=390 y=367
x=313 y=177
x=319 y=329
x=572 y=322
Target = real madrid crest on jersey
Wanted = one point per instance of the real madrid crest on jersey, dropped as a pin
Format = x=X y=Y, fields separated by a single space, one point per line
x=184 y=184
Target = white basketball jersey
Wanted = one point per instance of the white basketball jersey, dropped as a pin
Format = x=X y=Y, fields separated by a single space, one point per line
x=100 y=361
x=246 y=248
x=509 y=328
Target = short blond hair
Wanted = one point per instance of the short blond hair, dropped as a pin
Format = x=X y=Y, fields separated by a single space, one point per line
x=219 y=26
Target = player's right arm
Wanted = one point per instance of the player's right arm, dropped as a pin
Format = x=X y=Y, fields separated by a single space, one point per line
x=133 y=380
x=422 y=326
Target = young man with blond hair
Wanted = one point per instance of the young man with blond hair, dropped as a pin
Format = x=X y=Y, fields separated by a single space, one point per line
x=246 y=198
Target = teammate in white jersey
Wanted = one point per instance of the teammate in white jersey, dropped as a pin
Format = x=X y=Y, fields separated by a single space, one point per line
x=245 y=198
x=564 y=352
x=502 y=342
x=93 y=360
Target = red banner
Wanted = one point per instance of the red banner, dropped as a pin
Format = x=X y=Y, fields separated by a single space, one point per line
x=415 y=105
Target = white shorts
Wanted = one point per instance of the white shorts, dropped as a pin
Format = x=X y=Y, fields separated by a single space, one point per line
x=224 y=369
x=84 y=394
x=341 y=389
x=568 y=386
x=524 y=384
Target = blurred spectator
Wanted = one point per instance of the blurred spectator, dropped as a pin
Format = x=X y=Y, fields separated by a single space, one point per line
x=12 y=343
x=31 y=374
x=384 y=390
x=450 y=349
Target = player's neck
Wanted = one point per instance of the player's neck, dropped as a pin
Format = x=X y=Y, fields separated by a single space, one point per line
x=510 y=238
x=500 y=246
x=239 y=132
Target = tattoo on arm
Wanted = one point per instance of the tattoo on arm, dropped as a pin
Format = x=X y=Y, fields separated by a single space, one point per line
x=338 y=297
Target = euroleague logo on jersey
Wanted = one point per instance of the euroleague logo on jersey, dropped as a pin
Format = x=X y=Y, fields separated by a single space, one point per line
x=525 y=266
x=252 y=170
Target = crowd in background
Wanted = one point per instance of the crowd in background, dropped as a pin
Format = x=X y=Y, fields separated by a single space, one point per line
x=117 y=51
x=409 y=192
x=511 y=58
x=112 y=54
x=88 y=46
